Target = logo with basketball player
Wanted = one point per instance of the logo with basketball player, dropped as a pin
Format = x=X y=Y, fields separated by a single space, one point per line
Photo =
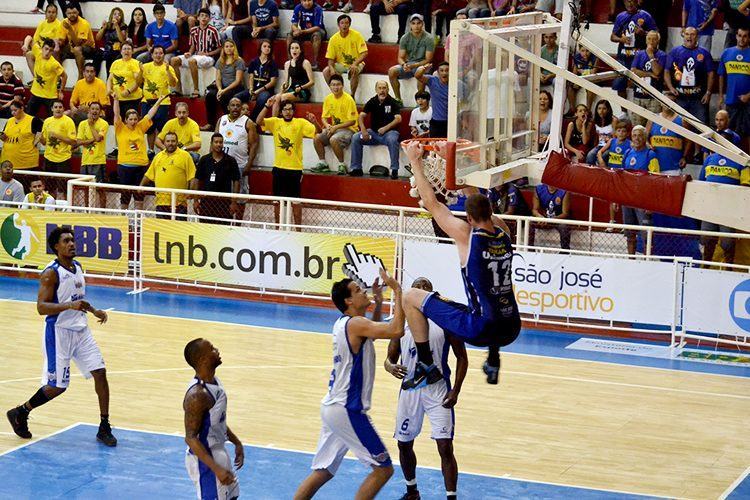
x=362 y=268
x=19 y=236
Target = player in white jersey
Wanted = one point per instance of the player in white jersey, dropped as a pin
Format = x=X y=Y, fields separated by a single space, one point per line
x=346 y=426
x=240 y=142
x=206 y=430
x=62 y=294
x=436 y=400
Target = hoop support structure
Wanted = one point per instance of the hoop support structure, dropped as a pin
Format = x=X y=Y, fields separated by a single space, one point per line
x=450 y=165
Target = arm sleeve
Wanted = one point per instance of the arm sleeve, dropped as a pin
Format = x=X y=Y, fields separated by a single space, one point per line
x=308 y=129
x=173 y=32
x=18 y=193
x=150 y=172
x=234 y=172
x=295 y=14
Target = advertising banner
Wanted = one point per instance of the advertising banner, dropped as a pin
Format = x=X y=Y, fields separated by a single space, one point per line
x=716 y=302
x=562 y=285
x=101 y=240
x=279 y=260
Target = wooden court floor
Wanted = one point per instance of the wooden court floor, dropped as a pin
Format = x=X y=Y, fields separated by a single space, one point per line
x=579 y=423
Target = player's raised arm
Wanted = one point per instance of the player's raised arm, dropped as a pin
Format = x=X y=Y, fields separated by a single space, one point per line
x=456 y=228
x=360 y=326
x=197 y=402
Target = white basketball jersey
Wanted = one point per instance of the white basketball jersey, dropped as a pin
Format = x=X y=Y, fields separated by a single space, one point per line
x=213 y=430
x=352 y=374
x=235 y=138
x=70 y=287
x=438 y=345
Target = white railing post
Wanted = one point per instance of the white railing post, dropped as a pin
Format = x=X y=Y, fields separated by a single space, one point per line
x=649 y=241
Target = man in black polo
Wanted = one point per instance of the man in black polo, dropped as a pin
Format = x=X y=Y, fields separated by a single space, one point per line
x=217 y=172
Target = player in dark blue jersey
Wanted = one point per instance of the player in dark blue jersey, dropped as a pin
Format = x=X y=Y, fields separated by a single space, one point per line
x=491 y=318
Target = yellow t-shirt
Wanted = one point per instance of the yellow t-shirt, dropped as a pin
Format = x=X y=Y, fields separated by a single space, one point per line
x=156 y=81
x=19 y=145
x=346 y=50
x=82 y=30
x=57 y=150
x=123 y=76
x=172 y=171
x=48 y=31
x=93 y=154
x=186 y=134
x=46 y=73
x=340 y=110
x=287 y=140
x=86 y=93
x=131 y=144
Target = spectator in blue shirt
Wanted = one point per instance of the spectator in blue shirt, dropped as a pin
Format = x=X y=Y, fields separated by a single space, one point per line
x=734 y=20
x=699 y=14
x=721 y=125
x=734 y=85
x=262 y=22
x=670 y=148
x=307 y=24
x=438 y=87
x=629 y=32
x=551 y=203
x=689 y=75
x=648 y=64
x=638 y=157
x=161 y=33
x=187 y=12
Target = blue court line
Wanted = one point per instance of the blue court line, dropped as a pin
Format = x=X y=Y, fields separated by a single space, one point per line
x=71 y=464
x=319 y=319
x=742 y=490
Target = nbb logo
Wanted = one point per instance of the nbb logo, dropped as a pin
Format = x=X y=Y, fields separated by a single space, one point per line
x=94 y=242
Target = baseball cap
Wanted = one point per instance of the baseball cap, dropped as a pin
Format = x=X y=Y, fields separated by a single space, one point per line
x=416 y=16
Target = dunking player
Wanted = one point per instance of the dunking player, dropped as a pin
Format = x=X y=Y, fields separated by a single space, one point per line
x=485 y=250
x=62 y=293
x=343 y=410
x=436 y=400
x=206 y=430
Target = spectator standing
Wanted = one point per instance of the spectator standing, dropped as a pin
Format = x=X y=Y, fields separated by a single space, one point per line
x=185 y=128
x=551 y=203
x=419 y=120
x=670 y=148
x=20 y=137
x=11 y=89
x=385 y=117
x=339 y=124
x=187 y=14
x=262 y=22
x=307 y=25
x=59 y=137
x=205 y=46
x=734 y=20
x=299 y=78
x=263 y=74
x=604 y=128
x=346 y=53
x=132 y=158
x=161 y=32
x=124 y=80
x=614 y=151
x=112 y=34
x=640 y=158
x=85 y=91
x=172 y=168
x=660 y=11
x=217 y=172
x=49 y=29
x=230 y=81
x=545 y=118
x=10 y=188
x=584 y=64
x=438 y=86
x=137 y=31
x=240 y=142
x=80 y=43
x=721 y=125
x=700 y=14
x=49 y=80
x=288 y=133
x=158 y=78
x=689 y=75
x=649 y=64
x=402 y=8
x=629 y=32
x=415 y=49
x=549 y=53
x=579 y=133
x=38 y=196
x=91 y=138
x=734 y=85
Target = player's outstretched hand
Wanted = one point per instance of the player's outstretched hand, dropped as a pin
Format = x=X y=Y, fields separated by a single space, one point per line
x=414 y=151
x=225 y=476
x=398 y=371
x=362 y=268
x=239 y=456
x=101 y=316
x=390 y=281
x=377 y=290
x=450 y=399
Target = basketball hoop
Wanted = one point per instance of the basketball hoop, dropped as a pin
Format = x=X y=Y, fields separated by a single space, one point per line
x=439 y=165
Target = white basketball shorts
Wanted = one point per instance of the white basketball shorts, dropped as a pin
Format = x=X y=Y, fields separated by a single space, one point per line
x=59 y=346
x=412 y=407
x=206 y=483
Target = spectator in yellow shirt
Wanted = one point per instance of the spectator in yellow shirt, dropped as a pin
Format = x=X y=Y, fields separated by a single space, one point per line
x=44 y=88
x=59 y=137
x=346 y=53
x=87 y=90
x=80 y=39
x=187 y=130
x=339 y=124
x=132 y=158
x=124 y=81
x=20 y=137
x=91 y=137
x=158 y=78
x=172 y=168
x=49 y=29
x=288 y=133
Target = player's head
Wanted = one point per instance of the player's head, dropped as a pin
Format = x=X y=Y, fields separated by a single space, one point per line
x=347 y=294
x=234 y=107
x=423 y=284
x=201 y=353
x=61 y=242
x=478 y=209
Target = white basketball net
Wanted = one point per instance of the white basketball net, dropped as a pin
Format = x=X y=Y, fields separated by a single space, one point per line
x=434 y=170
